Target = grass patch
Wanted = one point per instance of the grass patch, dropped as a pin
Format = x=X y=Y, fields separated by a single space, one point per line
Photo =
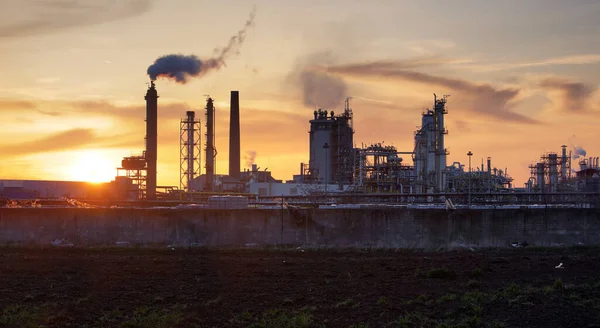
x=446 y=298
x=347 y=303
x=214 y=301
x=472 y=283
x=280 y=319
x=415 y=319
x=147 y=317
x=18 y=316
x=441 y=273
x=421 y=299
x=382 y=301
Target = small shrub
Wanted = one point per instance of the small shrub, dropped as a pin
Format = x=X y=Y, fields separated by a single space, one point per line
x=472 y=283
x=473 y=297
x=446 y=298
x=512 y=290
x=382 y=300
x=279 y=319
x=441 y=273
x=346 y=302
x=146 y=317
x=558 y=285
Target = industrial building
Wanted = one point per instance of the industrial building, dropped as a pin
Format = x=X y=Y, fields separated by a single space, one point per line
x=335 y=167
x=34 y=189
x=554 y=173
x=335 y=164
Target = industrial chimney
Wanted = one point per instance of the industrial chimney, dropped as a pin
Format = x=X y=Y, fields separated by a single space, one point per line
x=151 y=140
x=234 y=135
x=210 y=146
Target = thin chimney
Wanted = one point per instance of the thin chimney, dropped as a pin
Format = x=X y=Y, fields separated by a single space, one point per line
x=234 y=135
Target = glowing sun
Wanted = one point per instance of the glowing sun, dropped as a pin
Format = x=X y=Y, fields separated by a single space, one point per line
x=91 y=166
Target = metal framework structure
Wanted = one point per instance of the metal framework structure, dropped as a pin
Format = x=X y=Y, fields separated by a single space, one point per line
x=189 y=145
x=379 y=169
x=342 y=142
x=488 y=181
x=552 y=173
x=135 y=169
x=480 y=181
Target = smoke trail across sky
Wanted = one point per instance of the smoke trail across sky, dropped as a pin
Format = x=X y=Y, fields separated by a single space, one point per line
x=181 y=68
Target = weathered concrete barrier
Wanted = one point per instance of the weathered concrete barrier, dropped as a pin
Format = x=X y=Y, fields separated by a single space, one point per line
x=363 y=227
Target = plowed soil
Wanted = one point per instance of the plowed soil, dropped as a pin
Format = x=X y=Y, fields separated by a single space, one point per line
x=127 y=287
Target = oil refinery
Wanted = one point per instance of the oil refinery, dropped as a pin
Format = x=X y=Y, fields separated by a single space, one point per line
x=336 y=168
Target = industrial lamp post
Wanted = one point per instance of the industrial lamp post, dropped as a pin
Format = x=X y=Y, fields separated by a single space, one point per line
x=469 y=154
x=326 y=146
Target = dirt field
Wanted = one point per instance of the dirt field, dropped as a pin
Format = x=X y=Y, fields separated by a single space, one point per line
x=294 y=288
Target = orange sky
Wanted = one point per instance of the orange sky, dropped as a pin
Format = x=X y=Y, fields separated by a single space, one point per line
x=522 y=78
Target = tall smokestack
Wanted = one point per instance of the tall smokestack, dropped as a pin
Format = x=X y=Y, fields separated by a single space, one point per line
x=210 y=146
x=151 y=140
x=191 y=119
x=234 y=135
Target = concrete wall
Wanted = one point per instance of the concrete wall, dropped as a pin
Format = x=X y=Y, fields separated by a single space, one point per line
x=405 y=228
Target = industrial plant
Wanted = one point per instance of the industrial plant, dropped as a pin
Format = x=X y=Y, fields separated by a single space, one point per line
x=336 y=168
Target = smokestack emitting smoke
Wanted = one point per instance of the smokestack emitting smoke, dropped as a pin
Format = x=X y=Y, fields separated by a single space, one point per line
x=234 y=135
x=151 y=140
x=579 y=152
x=181 y=68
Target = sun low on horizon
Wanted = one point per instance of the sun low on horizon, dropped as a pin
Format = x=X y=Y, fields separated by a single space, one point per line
x=94 y=166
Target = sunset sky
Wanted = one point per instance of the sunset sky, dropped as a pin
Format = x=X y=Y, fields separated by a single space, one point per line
x=522 y=76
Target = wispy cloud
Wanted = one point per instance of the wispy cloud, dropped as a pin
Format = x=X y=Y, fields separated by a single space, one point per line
x=42 y=17
x=71 y=139
x=564 y=60
x=18 y=105
x=478 y=98
x=575 y=95
x=137 y=112
x=47 y=80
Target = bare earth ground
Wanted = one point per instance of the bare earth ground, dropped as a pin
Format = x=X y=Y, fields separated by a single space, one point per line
x=128 y=287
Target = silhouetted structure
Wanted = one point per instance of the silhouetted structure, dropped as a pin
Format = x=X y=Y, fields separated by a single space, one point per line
x=151 y=140
x=234 y=135
x=189 y=144
x=209 y=183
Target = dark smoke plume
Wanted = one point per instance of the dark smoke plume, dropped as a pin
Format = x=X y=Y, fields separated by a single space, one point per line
x=482 y=98
x=318 y=88
x=183 y=67
x=575 y=94
x=579 y=152
x=249 y=157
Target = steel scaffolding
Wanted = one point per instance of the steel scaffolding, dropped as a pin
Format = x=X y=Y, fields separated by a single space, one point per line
x=189 y=144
